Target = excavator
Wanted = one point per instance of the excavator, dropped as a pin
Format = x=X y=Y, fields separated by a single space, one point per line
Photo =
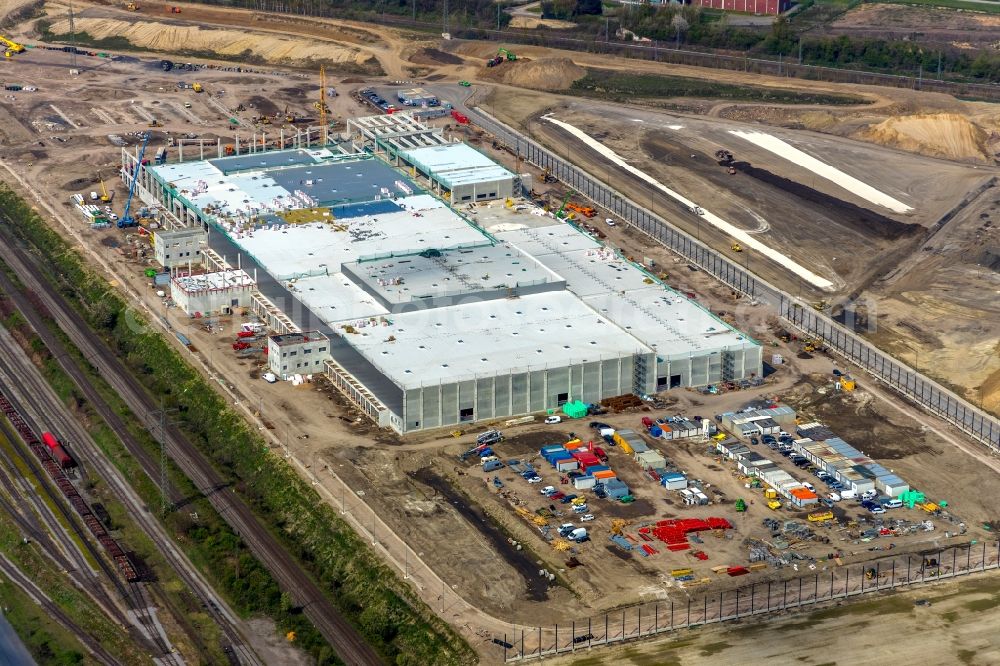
x=507 y=54
x=586 y=211
x=11 y=48
x=562 y=209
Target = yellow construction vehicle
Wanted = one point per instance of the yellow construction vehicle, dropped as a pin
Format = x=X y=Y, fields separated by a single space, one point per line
x=810 y=346
x=820 y=516
x=105 y=195
x=155 y=123
x=197 y=87
x=11 y=48
x=618 y=525
x=132 y=6
x=737 y=247
x=847 y=383
x=774 y=505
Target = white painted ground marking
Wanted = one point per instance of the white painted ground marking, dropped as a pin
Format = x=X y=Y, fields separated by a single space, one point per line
x=738 y=234
x=833 y=174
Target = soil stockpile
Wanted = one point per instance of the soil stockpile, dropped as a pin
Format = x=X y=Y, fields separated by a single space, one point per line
x=541 y=74
x=193 y=39
x=939 y=135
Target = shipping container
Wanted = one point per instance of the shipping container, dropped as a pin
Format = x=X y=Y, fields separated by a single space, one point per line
x=584 y=482
x=604 y=475
x=567 y=465
x=492 y=465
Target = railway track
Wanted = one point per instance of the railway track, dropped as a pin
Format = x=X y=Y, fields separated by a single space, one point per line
x=341 y=635
x=144 y=624
x=53 y=611
x=13 y=363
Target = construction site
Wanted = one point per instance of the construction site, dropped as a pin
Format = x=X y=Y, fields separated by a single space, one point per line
x=559 y=414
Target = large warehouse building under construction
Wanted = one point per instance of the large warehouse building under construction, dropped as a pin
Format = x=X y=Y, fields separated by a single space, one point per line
x=437 y=312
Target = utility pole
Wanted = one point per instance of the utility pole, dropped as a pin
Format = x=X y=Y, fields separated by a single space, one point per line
x=72 y=38
x=445 y=16
x=939 y=64
x=164 y=489
x=800 y=51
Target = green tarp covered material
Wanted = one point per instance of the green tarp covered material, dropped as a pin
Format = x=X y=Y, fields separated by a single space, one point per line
x=575 y=409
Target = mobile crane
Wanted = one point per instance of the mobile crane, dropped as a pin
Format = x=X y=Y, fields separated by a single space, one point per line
x=105 y=195
x=126 y=219
x=11 y=48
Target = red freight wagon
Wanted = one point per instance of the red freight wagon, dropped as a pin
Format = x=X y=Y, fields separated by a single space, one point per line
x=60 y=456
x=460 y=117
x=50 y=440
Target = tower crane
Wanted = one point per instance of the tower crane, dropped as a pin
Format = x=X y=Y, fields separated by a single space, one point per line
x=321 y=104
x=126 y=219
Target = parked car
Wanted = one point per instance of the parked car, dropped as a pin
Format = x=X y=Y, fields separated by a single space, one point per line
x=553 y=419
x=769 y=439
x=566 y=499
x=808 y=486
x=893 y=504
x=754 y=441
x=877 y=509
x=580 y=508
x=597 y=425
x=610 y=222
x=558 y=495
x=586 y=518
x=600 y=492
x=834 y=497
x=548 y=490
x=535 y=479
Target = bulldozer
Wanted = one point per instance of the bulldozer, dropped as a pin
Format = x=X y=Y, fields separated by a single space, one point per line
x=132 y=6
x=737 y=247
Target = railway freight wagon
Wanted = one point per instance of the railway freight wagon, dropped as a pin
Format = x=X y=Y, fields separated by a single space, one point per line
x=57 y=452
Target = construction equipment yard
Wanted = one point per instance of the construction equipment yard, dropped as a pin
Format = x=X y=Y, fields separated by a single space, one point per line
x=852 y=205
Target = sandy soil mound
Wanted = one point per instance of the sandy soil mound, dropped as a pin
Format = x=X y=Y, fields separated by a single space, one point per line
x=543 y=74
x=940 y=135
x=530 y=22
x=168 y=38
x=991 y=393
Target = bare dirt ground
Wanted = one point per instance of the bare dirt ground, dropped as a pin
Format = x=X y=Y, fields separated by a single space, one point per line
x=957 y=627
x=444 y=509
x=960 y=29
x=931 y=289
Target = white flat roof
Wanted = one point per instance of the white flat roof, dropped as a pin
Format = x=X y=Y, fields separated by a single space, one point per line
x=316 y=248
x=488 y=338
x=193 y=284
x=334 y=298
x=663 y=319
x=457 y=164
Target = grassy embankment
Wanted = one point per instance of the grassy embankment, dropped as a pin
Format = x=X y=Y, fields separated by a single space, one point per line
x=623 y=87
